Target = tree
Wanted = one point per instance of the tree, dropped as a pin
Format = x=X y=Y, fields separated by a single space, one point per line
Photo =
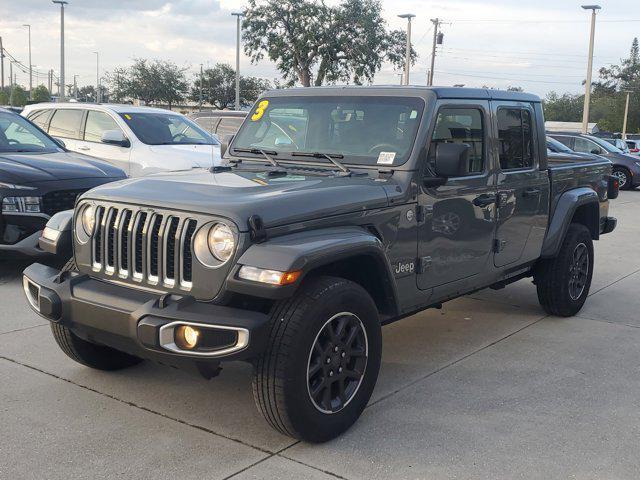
x=563 y=108
x=347 y=42
x=41 y=94
x=219 y=87
x=4 y=96
x=18 y=97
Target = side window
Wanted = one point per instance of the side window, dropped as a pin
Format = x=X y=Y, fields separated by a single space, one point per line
x=515 y=138
x=565 y=140
x=584 y=145
x=97 y=124
x=229 y=125
x=40 y=118
x=66 y=123
x=461 y=125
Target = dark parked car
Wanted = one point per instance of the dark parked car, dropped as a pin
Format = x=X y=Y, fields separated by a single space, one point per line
x=338 y=210
x=39 y=178
x=634 y=146
x=625 y=166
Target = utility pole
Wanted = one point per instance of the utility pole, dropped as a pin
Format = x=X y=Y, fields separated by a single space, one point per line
x=75 y=87
x=238 y=16
x=11 y=82
x=436 y=28
x=201 y=82
x=62 y=3
x=1 y=65
x=587 y=92
x=407 y=55
x=626 y=116
x=30 y=66
x=97 y=77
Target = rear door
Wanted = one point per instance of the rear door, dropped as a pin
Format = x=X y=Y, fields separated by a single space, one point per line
x=66 y=124
x=457 y=230
x=95 y=125
x=523 y=188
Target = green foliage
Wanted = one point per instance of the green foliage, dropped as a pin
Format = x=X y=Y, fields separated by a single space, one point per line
x=152 y=82
x=219 y=87
x=607 y=99
x=307 y=39
x=18 y=97
x=4 y=96
x=41 y=94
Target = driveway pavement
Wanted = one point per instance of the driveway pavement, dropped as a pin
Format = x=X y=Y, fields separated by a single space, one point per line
x=487 y=387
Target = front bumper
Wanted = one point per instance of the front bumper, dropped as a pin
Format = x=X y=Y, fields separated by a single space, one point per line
x=27 y=246
x=142 y=323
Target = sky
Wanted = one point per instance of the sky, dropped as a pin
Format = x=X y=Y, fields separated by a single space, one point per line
x=540 y=46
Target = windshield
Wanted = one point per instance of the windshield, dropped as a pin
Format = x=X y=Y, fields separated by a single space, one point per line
x=19 y=135
x=166 y=129
x=365 y=130
x=556 y=146
x=606 y=145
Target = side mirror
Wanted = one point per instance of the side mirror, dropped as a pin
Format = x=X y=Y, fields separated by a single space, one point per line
x=452 y=159
x=115 y=137
x=60 y=142
x=224 y=146
x=596 y=151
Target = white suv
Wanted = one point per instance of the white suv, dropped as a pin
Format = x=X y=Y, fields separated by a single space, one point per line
x=140 y=140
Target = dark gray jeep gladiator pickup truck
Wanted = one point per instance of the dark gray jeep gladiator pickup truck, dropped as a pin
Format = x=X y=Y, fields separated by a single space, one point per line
x=336 y=210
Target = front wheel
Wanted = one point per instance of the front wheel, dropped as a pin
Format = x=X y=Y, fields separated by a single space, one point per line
x=623 y=176
x=563 y=282
x=322 y=361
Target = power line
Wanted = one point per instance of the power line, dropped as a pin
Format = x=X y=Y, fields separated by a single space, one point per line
x=487 y=77
x=516 y=54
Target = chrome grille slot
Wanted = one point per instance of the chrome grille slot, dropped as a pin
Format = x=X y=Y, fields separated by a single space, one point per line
x=110 y=240
x=124 y=233
x=186 y=257
x=96 y=243
x=144 y=247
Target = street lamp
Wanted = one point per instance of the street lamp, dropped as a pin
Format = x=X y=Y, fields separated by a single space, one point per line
x=97 y=77
x=407 y=60
x=30 y=66
x=62 y=3
x=238 y=16
x=587 y=93
x=626 y=115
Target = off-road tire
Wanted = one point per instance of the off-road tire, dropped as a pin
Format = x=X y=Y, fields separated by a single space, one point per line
x=280 y=383
x=552 y=276
x=617 y=171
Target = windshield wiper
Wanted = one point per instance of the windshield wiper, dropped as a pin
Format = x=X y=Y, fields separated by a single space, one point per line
x=331 y=157
x=267 y=155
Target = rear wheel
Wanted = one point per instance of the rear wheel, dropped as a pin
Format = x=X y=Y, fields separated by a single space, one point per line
x=563 y=282
x=322 y=361
x=623 y=176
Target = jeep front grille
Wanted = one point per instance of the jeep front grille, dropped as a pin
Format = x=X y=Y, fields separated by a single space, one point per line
x=143 y=247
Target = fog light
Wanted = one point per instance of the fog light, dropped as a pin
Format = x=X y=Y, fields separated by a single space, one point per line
x=186 y=337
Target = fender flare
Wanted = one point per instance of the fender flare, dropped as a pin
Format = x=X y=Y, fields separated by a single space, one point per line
x=62 y=243
x=567 y=205
x=307 y=251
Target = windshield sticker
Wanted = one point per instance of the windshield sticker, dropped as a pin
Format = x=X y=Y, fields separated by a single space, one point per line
x=262 y=107
x=127 y=116
x=386 y=158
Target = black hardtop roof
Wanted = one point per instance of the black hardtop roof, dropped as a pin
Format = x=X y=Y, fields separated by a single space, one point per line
x=412 y=91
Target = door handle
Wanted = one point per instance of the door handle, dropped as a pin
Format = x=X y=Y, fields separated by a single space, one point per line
x=484 y=200
x=531 y=192
x=84 y=148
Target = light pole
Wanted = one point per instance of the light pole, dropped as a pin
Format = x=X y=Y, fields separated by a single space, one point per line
x=200 y=94
x=407 y=57
x=626 y=116
x=437 y=40
x=75 y=87
x=30 y=66
x=587 y=92
x=62 y=3
x=238 y=16
x=97 y=77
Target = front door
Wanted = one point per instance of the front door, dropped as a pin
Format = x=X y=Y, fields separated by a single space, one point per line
x=523 y=189
x=458 y=219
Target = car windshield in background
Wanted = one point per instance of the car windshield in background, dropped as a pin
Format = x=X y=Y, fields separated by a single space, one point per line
x=365 y=130
x=162 y=129
x=606 y=145
x=20 y=136
x=557 y=146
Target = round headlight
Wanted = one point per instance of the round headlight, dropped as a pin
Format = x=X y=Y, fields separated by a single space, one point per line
x=88 y=219
x=221 y=242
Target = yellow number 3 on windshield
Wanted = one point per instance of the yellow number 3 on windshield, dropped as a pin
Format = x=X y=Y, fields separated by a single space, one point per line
x=262 y=106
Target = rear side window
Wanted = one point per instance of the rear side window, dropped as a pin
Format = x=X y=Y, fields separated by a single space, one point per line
x=229 y=125
x=584 y=145
x=565 y=140
x=461 y=125
x=515 y=138
x=41 y=118
x=97 y=124
x=66 y=123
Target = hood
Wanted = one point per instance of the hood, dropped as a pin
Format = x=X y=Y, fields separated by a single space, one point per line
x=30 y=168
x=203 y=156
x=239 y=194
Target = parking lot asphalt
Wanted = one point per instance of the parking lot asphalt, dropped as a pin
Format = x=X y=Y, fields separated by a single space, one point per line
x=487 y=387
